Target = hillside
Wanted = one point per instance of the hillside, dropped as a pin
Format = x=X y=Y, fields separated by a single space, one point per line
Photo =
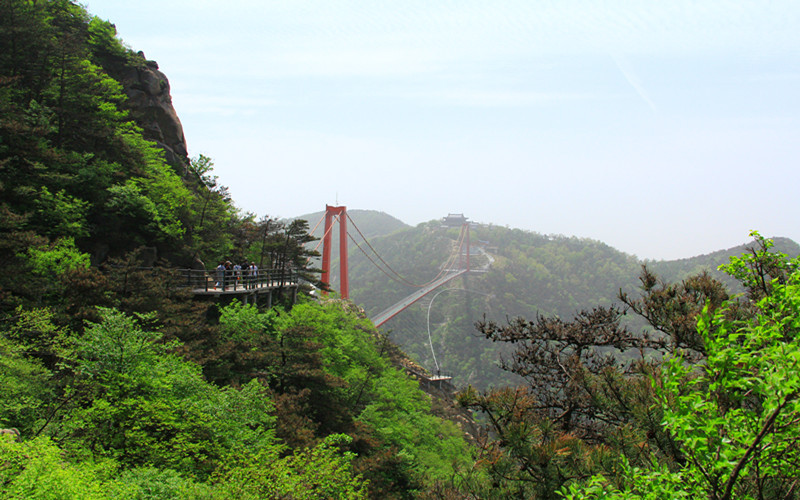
x=372 y=223
x=676 y=270
x=531 y=274
x=116 y=380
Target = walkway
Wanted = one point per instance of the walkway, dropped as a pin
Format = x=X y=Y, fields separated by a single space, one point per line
x=205 y=282
x=394 y=310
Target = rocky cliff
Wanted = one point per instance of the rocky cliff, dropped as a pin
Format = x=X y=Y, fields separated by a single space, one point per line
x=150 y=103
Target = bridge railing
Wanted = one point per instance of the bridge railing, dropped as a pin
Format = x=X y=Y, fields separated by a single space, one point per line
x=236 y=280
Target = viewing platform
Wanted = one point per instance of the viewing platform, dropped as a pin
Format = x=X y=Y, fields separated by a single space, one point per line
x=438 y=380
x=238 y=282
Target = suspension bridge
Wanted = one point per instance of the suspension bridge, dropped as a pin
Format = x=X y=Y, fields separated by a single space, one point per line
x=456 y=264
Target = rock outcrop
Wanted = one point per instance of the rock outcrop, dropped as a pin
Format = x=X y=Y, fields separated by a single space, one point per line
x=151 y=106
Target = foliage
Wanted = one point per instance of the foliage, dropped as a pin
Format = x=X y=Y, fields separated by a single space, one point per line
x=376 y=393
x=75 y=164
x=330 y=374
x=60 y=257
x=149 y=483
x=245 y=323
x=24 y=389
x=760 y=268
x=213 y=214
x=526 y=274
x=142 y=405
x=39 y=469
x=319 y=472
x=145 y=391
x=36 y=469
x=578 y=402
x=734 y=415
x=135 y=406
x=724 y=398
x=66 y=137
x=63 y=215
x=123 y=386
x=530 y=274
x=401 y=415
x=672 y=309
x=679 y=270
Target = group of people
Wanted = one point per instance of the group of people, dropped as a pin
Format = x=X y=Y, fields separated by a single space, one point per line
x=245 y=274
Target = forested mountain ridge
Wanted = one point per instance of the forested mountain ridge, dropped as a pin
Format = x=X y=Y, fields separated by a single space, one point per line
x=77 y=164
x=80 y=172
x=679 y=269
x=531 y=274
x=698 y=399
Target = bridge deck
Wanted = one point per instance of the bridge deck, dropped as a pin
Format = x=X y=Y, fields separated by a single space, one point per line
x=394 y=310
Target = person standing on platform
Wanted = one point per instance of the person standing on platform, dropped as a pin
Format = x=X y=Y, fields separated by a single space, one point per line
x=228 y=273
x=254 y=274
x=220 y=276
x=237 y=273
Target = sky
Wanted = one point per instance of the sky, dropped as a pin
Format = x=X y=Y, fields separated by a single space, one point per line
x=664 y=129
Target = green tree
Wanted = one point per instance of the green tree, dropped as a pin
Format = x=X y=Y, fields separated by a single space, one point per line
x=142 y=405
x=732 y=411
x=292 y=253
x=25 y=389
x=213 y=213
x=586 y=391
x=587 y=380
x=735 y=415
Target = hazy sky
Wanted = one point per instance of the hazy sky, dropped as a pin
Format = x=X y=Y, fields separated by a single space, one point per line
x=665 y=129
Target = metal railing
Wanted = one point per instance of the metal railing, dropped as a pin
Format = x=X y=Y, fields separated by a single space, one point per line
x=236 y=280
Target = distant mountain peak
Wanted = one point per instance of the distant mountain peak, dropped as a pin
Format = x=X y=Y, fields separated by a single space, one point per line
x=372 y=223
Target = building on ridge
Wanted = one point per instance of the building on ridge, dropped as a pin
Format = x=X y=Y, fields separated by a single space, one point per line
x=454 y=220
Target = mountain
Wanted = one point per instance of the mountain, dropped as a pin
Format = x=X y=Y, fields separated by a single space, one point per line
x=680 y=269
x=372 y=223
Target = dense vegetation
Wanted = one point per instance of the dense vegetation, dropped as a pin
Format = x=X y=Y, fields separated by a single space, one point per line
x=680 y=388
x=274 y=401
x=119 y=383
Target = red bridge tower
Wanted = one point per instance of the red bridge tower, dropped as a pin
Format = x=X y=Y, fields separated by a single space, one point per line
x=341 y=214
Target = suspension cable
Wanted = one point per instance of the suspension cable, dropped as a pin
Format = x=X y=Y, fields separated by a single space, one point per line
x=381 y=269
x=317 y=225
x=326 y=232
x=430 y=304
x=397 y=275
x=308 y=260
x=450 y=260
